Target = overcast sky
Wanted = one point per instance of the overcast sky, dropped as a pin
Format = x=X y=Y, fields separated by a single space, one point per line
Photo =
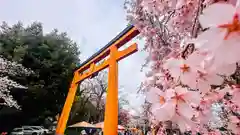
x=91 y=23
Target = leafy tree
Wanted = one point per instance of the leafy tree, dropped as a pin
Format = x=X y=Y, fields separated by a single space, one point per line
x=51 y=56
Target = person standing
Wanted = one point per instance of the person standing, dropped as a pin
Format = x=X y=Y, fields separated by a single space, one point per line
x=83 y=132
x=148 y=132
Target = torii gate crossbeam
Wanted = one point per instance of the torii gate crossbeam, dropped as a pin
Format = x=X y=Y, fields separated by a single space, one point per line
x=90 y=68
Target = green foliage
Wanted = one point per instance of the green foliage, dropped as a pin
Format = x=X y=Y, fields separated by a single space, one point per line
x=51 y=56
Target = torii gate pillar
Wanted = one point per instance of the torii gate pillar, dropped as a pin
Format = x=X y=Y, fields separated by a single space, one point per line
x=90 y=68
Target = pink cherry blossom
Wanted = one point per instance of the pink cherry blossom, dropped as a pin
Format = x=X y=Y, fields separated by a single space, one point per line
x=225 y=70
x=225 y=29
x=182 y=69
x=209 y=18
x=177 y=107
x=204 y=115
x=205 y=80
x=234 y=128
x=233 y=124
x=209 y=66
x=177 y=101
x=155 y=96
x=183 y=123
x=169 y=28
x=234 y=119
x=167 y=111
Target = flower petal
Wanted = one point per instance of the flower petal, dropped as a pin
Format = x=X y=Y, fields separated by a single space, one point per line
x=234 y=119
x=216 y=14
x=155 y=107
x=193 y=97
x=185 y=110
x=173 y=65
x=236 y=98
x=181 y=122
x=215 y=79
x=166 y=111
x=169 y=94
x=226 y=69
x=180 y=90
x=204 y=40
x=172 y=62
x=189 y=78
x=203 y=86
x=175 y=72
x=235 y=129
x=195 y=58
x=230 y=51
x=153 y=95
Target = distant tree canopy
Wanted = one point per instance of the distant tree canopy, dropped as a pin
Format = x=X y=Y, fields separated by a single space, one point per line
x=51 y=56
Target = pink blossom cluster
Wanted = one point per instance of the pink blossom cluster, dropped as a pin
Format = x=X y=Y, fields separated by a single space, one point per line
x=185 y=88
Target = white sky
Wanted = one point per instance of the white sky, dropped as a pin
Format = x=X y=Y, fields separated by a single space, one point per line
x=91 y=23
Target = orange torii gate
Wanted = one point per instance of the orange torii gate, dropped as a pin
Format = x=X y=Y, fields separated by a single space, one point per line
x=90 y=68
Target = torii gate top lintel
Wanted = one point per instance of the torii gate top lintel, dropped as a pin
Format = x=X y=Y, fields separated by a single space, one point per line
x=126 y=35
x=90 y=68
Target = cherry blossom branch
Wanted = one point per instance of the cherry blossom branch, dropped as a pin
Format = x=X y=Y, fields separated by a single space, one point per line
x=8 y=68
x=185 y=88
x=196 y=25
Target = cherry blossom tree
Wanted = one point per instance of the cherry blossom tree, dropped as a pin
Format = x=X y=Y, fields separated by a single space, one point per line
x=8 y=68
x=92 y=91
x=194 y=58
x=123 y=117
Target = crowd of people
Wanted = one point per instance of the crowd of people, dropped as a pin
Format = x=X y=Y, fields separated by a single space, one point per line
x=121 y=132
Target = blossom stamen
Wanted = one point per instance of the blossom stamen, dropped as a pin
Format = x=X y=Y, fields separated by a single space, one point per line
x=185 y=68
x=178 y=99
x=234 y=26
x=162 y=100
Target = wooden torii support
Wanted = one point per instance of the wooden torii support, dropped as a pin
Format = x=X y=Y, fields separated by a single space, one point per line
x=90 y=68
